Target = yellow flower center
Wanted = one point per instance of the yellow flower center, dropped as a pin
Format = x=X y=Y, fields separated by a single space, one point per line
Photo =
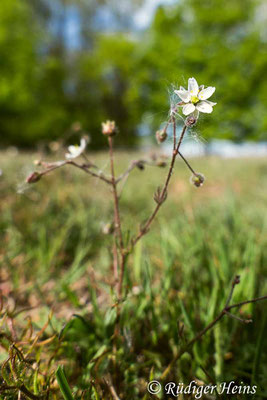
x=194 y=99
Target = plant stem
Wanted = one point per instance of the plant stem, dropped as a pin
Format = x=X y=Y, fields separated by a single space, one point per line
x=187 y=163
x=163 y=194
x=117 y=219
x=246 y=302
x=198 y=336
x=120 y=246
x=87 y=170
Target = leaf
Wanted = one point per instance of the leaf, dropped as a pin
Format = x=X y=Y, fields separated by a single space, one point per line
x=63 y=384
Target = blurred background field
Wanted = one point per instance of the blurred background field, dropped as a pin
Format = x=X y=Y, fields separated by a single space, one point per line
x=65 y=67
x=54 y=256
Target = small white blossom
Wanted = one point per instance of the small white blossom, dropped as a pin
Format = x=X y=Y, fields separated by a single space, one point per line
x=76 y=151
x=194 y=100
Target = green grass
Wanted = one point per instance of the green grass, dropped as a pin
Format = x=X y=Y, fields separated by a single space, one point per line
x=54 y=258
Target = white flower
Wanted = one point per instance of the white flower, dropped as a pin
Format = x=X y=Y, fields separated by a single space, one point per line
x=194 y=100
x=76 y=151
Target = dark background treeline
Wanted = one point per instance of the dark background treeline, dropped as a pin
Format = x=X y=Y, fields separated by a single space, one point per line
x=67 y=61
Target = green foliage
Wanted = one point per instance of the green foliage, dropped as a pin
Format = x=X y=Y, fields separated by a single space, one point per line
x=53 y=255
x=63 y=384
x=46 y=85
x=219 y=43
x=18 y=69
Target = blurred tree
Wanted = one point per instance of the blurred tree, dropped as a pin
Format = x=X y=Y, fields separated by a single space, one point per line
x=48 y=80
x=46 y=84
x=219 y=43
x=18 y=69
x=32 y=99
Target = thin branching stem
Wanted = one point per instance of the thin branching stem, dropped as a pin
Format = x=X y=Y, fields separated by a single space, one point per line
x=117 y=219
x=246 y=302
x=198 y=336
x=187 y=163
x=163 y=193
x=244 y=321
x=84 y=167
x=131 y=167
x=87 y=170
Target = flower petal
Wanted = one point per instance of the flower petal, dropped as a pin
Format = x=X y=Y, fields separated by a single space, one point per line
x=210 y=102
x=206 y=93
x=72 y=149
x=192 y=86
x=204 y=106
x=188 y=109
x=196 y=114
x=183 y=94
x=70 y=156
x=83 y=144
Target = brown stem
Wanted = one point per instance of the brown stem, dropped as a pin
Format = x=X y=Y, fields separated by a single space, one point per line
x=132 y=166
x=246 y=302
x=235 y=282
x=85 y=167
x=27 y=393
x=187 y=163
x=111 y=388
x=115 y=262
x=53 y=167
x=118 y=234
x=122 y=270
x=87 y=170
x=144 y=229
x=244 y=321
x=225 y=311
x=117 y=219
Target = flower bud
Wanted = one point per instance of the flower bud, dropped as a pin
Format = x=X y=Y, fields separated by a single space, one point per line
x=33 y=177
x=109 y=128
x=161 y=136
x=190 y=121
x=108 y=229
x=197 y=180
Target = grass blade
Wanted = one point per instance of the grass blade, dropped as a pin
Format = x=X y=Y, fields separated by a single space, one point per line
x=63 y=384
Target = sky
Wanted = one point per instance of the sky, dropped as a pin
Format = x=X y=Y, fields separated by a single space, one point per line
x=142 y=19
x=144 y=16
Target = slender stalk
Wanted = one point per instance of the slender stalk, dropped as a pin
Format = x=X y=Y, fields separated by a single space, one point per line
x=122 y=270
x=27 y=393
x=87 y=170
x=235 y=282
x=53 y=167
x=111 y=388
x=117 y=219
x=247 y=302
x=199 y=335
x=85 y=167
x=132 y=166
x=115 y=262
x=244 y=321
x=163 y=194
x=187 y=163
x=120 y=247
x=174 y=131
